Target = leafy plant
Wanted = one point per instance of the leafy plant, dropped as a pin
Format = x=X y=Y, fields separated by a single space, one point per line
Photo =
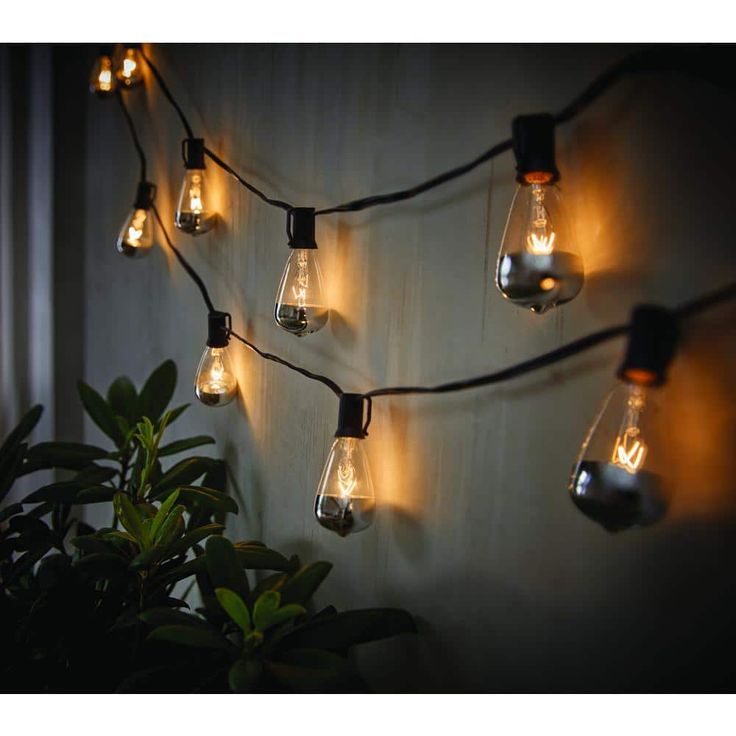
x=90 y=610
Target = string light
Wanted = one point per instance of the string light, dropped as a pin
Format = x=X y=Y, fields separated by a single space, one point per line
x=539 y=266
x=192 y=215
x=136 y=234
x=129 y=68
x=345 y=500
x=215 y=383
x=617 y=480
x=300 y=307
x=102 y=80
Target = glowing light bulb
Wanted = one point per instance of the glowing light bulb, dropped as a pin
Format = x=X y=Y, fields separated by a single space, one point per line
x=618 y=480
x=345 y=502
x=129 y=72
x=300 y=307
x=539 y=266
x=192 y=215
x=102 y=81
x=136 y=235
x=215 y=383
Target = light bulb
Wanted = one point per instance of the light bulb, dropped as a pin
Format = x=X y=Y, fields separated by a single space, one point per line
x=102 y=80
x=215 y=383
x=300 y=307
x=129 y=71
x=539 y=266
x=192 y=215
x=136 y=235
x=619 y=478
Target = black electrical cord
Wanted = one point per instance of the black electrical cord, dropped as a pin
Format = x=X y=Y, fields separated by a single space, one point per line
x=133 y=134
x=229 y=169
x=711 y=63
x=684 y=311
x=167 y=93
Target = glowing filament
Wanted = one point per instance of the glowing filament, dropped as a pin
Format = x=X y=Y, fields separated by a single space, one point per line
x=629 y=450
x=129 y=66
x=135 y=231
x=346 y=477
x=105 y=80
x=540 y=245
x=299 y=290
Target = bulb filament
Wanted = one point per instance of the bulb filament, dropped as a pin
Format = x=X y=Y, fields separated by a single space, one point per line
x=129 y=66
x=299 y=290
x=195 y=195
x=346 y=477
x=629 y=450
x=105 y=80
x=135 y=231
x=541 y=238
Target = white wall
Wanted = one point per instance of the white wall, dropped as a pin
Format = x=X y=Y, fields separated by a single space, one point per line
x=513 y=588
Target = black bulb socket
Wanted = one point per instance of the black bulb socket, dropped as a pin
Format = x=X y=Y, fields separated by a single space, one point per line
x=144 y=196
x=218 y=329
x=533 y=138
x=653 y=337
x=350 y=416
x=300 y=227
x=192 y=150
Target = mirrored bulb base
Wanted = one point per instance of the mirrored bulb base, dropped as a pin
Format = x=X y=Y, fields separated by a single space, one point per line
x=540 y=282
x=195 y=223
x=344 y=515
x=301 y=320
x=616 y=498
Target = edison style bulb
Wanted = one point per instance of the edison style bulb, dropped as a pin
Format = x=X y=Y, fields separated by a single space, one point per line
x=136 y=235
x=345 y=502
x=618 y=479
x=215 y=383
x=129 y=72
x=102 y=80
x=300 y=307
x=539 y=266
x=192 y=215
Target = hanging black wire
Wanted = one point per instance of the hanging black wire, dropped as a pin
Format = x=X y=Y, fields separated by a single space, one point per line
x=133 y=134
x=711 y=63
x=684 y=311
x=229 y=169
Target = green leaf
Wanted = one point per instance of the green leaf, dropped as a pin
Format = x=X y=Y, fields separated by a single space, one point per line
x=10 y=467
x=183 y=473
x=171 y=617
x=70 y=455
x=349 y=628
x=216 y=477
x=193 y=537
x=224 y=568
x=258 y=557
x=174 y=414
x=128 y=517
x=191 y=636
x=300 y=588
x=244 y=675
x=186 y=444
x=172 y=528
x=95 y=494
x=123 y=399
x=285 y=613
x=208 y=498
x=100 y=413
x=235 y=607
x=179 y=572
x=157 y=391
x=162 y=513
x=64 y=492
x=12 y=510
x=103 y=565
x=93 y=544
x=24 y=427
x=265 y=607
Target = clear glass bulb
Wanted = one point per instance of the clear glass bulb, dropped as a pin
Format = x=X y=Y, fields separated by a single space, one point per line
x=215 y=383
x=102 y=79
x=129 y=70
x=300 y=306
x=617 y=480
x=136 y=235
x=539 y=266
x=192 y=215
x=345 y=501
